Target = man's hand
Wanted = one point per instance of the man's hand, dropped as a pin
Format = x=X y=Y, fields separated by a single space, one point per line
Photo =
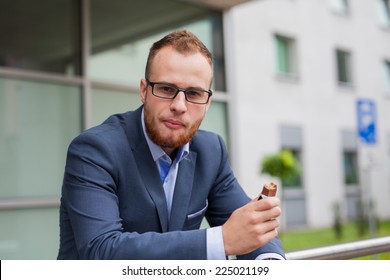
x=251 y=226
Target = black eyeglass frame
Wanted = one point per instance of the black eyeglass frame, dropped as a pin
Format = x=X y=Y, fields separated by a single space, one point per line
x=184 y=90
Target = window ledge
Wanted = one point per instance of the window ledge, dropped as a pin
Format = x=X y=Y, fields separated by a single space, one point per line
x=287 y=77
x=341 y=14
x=346 y=86
x=352 y=189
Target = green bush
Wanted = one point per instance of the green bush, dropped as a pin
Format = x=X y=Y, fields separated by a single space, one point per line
x=282 y=165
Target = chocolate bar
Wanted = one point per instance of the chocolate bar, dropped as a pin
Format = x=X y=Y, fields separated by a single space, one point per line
x=268 y=190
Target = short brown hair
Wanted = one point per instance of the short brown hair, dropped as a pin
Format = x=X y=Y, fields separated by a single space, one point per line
x=183 y=41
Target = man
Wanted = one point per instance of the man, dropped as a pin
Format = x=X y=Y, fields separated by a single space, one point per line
x=139 y=185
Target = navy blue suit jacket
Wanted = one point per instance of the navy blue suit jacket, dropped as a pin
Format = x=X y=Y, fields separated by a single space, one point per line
x=113 y=204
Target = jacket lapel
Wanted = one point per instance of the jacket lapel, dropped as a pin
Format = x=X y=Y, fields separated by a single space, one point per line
x=183 y=190
x=149 y=174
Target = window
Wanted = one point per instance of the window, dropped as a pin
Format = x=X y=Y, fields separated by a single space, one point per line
x=41 y=35
x=350 y=157
x=387 y=77
x=294 y=197
x=343 y=59
x=291 y=139
x=106 y=102
x=215 y=120
x=296 y=181
x=37 y=122
x=384 y=12
x=125 y=62
x=350 y=168
x=285 y=55
x=339 y=6
x=121 y=39
x=350 y=172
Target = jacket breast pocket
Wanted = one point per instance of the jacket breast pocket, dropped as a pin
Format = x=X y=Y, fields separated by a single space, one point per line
x=194 y=220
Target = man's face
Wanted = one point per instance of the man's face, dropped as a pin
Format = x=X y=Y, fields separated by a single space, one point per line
x=173 y=123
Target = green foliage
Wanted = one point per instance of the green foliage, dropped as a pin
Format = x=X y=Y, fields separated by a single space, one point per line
x=282 y=165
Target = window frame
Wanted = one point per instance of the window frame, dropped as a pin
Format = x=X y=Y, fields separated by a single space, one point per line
x=340 y=7
x=384 y=13
x=386 y=71
x=350 y=157
x=346 y=78
x=286 y=56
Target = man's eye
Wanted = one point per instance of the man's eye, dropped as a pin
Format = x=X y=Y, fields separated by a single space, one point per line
x=167 y=89
x=194 y=93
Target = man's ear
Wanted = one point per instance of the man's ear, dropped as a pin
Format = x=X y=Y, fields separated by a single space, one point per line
x=142 y=90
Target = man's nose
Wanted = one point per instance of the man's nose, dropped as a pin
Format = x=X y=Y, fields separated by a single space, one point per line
x=179 y=103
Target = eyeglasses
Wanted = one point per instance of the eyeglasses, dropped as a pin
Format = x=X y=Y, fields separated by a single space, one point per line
x=169 y=91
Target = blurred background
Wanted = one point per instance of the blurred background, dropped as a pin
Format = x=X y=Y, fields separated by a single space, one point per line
x=308 y=77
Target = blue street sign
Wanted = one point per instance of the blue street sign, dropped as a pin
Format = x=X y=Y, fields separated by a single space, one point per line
x=366 y=114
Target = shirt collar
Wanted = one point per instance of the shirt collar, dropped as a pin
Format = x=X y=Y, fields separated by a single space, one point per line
x=157 y=151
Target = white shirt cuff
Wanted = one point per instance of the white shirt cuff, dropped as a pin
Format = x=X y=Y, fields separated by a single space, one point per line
x=215 y=247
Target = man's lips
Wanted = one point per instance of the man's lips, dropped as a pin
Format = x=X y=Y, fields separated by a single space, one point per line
x=173 y=124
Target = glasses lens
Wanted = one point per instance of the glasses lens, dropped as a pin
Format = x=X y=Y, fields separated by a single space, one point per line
x=197 y=96
x=164 y=91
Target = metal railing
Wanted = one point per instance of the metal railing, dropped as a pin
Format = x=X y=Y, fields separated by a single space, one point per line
x=343 y=251
x=25 y=203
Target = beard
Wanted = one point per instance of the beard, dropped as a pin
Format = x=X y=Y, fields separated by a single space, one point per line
x=172 y=139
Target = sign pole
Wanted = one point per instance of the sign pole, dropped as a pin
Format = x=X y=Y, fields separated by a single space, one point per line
x=366 y=117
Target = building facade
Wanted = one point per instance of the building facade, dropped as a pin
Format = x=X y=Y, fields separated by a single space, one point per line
x=296 y=70
x=288 y=74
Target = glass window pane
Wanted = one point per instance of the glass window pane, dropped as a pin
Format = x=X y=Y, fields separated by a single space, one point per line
x=216 y=120
x=384 y=12
x=108 y=102
x=343 y=67
x=29 y=234
x=340 y=6
x=37 y=122
x=119 y=54
x=40 y=35
x=350 y=168
x=282 y=54
x=123 y=64
x=285 y=55
x=296 y=181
